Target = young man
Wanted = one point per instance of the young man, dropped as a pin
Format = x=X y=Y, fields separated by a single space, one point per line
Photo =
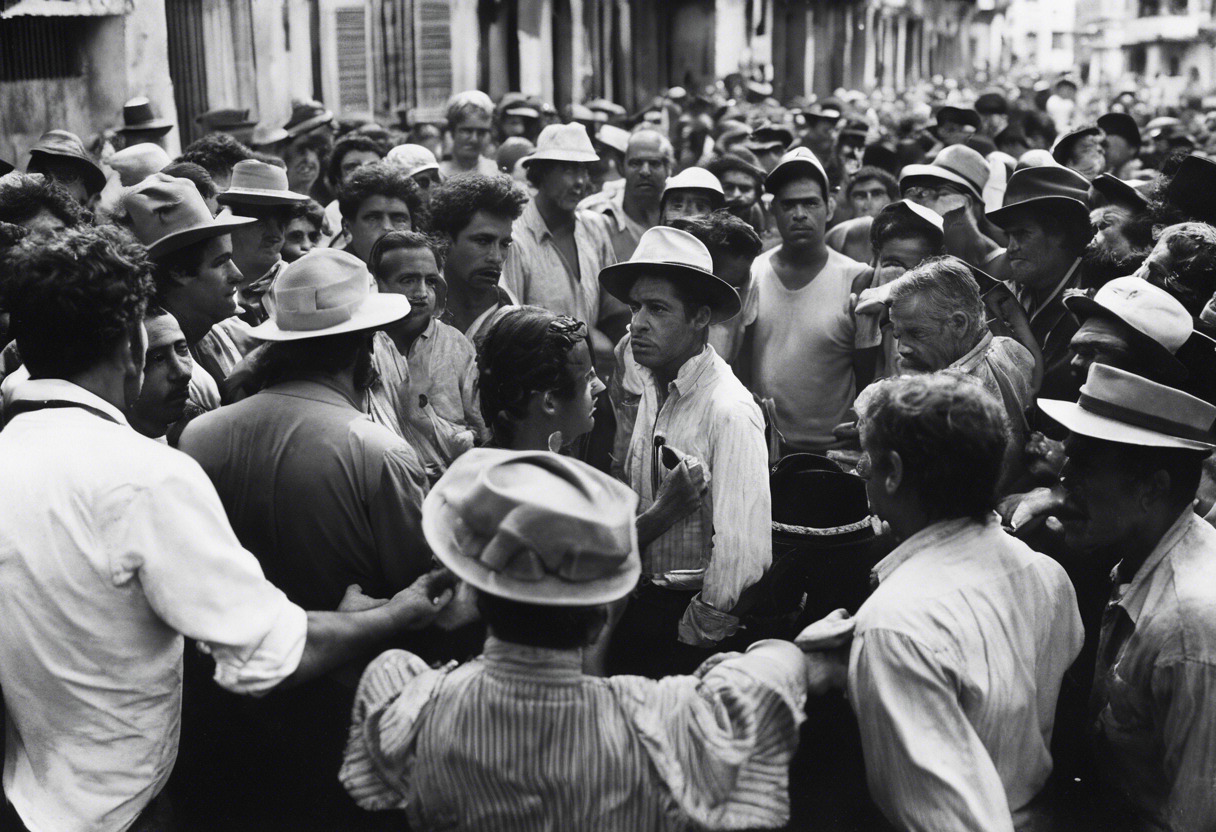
x=350 y=153
x=649 y=158
x=867 y=193
x=376 y=199
x=693 y=192
x=471 y=123
x=93 y=639
x=168 y=369
x=958 y=656
x=304 y=231
x=475 y=214
x=697 y=569
x=742 y=183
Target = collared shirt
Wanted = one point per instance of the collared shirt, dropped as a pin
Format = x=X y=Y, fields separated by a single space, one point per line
x=954 y=672
x=250 y=297
x=224 y=345
x=1053 y=327
x=1155 y=685
x=520 y=739
x=710 y=415
x=537 y=273
x=1006 y=369
x=112 y=547
x=625 y=230
x=323 y=497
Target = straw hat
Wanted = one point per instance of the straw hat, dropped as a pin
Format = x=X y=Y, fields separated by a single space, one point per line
x=957 y=164
x=563 y=143
x=168 y=213
x=259 y=183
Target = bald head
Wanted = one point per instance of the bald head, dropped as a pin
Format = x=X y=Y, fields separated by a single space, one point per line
x=648 y=162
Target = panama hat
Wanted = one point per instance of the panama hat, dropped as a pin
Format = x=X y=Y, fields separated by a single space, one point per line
x=675 y=255
x=534 y=527
x=413 y=157
x=65 y=146
x=563 y=143
x=136 y=163
x=957 y=164
x=259 y=183
x=137 y=117
x=1122 y=125
x=326 y=292
x=1119 y=192
x=800 y=160
x=696 y=179
x=168 y=213
x=306 y=116
x=1118 y=406
x=1043 y=186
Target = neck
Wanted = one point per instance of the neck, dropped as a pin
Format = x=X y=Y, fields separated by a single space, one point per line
x=1047 y=280
x=250 y=271
x=665 y=374
x=556 y=217
x=343 y=381
x=405 y=333
x=907 y=520
x=804 y=254
x=104 y=381
x=531 y=436
x=467 y=301
x=1133 y=551
x=644 y=211
x=195 y=326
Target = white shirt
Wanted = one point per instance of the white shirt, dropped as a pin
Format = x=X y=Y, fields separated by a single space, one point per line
x=112 y=547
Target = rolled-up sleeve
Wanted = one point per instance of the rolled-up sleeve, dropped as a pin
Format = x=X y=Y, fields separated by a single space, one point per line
x=175 y=539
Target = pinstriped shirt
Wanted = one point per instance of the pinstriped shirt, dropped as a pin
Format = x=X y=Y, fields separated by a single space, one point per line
x=521 y=740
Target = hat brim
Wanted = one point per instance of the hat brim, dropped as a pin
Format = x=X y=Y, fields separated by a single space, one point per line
x=309 y=124
x=95 y=178
x=160 y=127
x=377 y=310
x=439 y=521
x=1006 y=212
x=221 y=225
x=1117 y=191
x=1077 y=420
x=911 y=172
x=257 y=196
x=786 y=171
x=582 y=156
x=1064 y=146
x=1173 y=371
x=724 y=302
x=227 y=128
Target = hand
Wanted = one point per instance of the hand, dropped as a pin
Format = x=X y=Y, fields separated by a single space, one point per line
x=461 y=611
x=847 y=430
x=833 y=631
x=1023 y=513
x=955 y=207
x=1044 y=457
x=682 y=490
x=355 y=601
x=870 y=302
x=421 y=602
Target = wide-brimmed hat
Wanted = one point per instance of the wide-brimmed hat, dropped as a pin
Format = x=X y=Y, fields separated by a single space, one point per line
x=957 y=164
x=1191 y=188
x=1155 y=322
x=1122 y=125
x=696 y=179
x=168 y=213
x=226 y=119
x=305 y=116
x=564 y=143
x=813 y=499
x=326 y=292
x=800 y=160
x=1118 y=406
x=770 y=135
x=964 y=116
x=413 y=157
x=1064 y=145
x=534 y=527
x=138 y=117
x=927 y=218
x=136 y=163
x=1161 y=125
x=614 y=137
x=62 y=145
x=676 y=255
x=259 y=183
x=1119 y=192
x=1043 y=186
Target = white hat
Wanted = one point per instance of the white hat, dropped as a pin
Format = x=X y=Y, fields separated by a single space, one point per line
x=326 y=292
x=413 y=157
x=563 y=143
x=799 y=160
x=614 y=137
x=695 y=179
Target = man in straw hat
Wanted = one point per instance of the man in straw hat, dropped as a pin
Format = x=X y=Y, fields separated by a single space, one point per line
x=60 y=157
x=697 y=421
x=321 y=495
x=547 y=544
x=116 y=546
x=1135 y=453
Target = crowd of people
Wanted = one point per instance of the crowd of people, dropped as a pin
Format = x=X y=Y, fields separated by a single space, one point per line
x=835 y=463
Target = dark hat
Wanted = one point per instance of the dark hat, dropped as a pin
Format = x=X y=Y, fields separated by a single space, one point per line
x=959 y=115
x=306 y=116
x=991 y=103
x=1041 y=187
x=767 y=135
x=856 y=130
x=823 y=111
x=981 y=144
x=65 y=146
x=739 y=159
x=226 y=118
x=518 y=104
x=880 y=156
x=137 y=117
x=813 y=500
x=1011 y=134
x=5 y=167
x=1064 y=145
x=1118 y=192
x=1122 y=125
x=1192 y=187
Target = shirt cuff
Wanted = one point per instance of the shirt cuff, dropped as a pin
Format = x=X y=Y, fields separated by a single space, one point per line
x=704 y=626
x=256 y=670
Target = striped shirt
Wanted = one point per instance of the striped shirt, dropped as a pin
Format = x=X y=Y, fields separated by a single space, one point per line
x=520 y=739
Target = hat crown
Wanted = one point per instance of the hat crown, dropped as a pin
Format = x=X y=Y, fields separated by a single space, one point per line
x=564 y=137
x=1049 y=180
x=161 y=205
x=255 y=175
x=920 y=212
x=320 y=290
x=791 y=161
x=1148 y=309
x=966 y=162
x=138 y=111
x=60 y=143
x=139 y=161
x=1137 y=401
x=662 y=244
x=413 y=157
x=694 y=177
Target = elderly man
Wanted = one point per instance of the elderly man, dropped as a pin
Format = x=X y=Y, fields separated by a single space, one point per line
x=471 y=123
x=649 y=158
x=693 y=413
x=958 y=656
x=1183 y=262
x=1135 y=453
x=350 y=153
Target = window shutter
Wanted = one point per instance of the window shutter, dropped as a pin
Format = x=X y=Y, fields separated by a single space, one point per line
x=346 y=56
x=432 y=53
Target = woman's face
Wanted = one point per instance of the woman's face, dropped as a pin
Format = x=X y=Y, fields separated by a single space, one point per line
x=575 y=416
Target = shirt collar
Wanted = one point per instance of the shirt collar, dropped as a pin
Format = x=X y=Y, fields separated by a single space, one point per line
x=318 y=390
x=52 y=389
x=972 y=358
x=534 y=222
x=690 y=374
x=261 y=286
x=505 y=658
x=1134 y=597
x=932 y=536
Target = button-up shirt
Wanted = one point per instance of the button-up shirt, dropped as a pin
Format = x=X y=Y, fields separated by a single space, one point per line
x=520 y=739
x=626 y=231
x=1155 y=683
x=1006 y=369
x=537 y=273
x=709 y=414
x=112 y=547
x=954 y=672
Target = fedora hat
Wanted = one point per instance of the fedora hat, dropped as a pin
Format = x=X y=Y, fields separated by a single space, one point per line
x=534 y=527
x=136 y=163
x=305 y=116
x=518 y=104
x=1118 y=192
x=609 y=108
x=613 y=137
x=1156 y=323
x=137 y=117
x=259 y=183
x=1121 y=125
x=1162 y=125
x=992 y=103
x=1118 y=406
x=1192 y=187
x=326 y=292
x=1043 y=186
x=800 y=160
x=822 y=112
x=413 y=157
x=957 y=164
x=563 y=143
x=964 y=116
x=767 y=135
x=813 y=499
x=1064 y=145
x=168 y=213
x=225 y=119
x=676 y=255
x=696 y=179
x=65 y=146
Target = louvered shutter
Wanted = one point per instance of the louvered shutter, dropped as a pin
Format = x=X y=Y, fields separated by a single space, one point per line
x=346 y=57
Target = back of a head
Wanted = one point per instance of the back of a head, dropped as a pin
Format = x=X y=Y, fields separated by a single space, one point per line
x=216 y=153
x=22 y=198
x=454 y=203
x=946 y=285
x=724 y=234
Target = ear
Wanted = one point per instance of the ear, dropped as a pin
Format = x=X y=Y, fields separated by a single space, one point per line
x=895 y=473
x=132 y=355
x=547 y=403
x=831 y=208
x=702 y=316
x=958 y=321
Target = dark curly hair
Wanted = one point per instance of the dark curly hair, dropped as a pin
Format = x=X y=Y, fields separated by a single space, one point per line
x=454 y=203
x=877 y=174
x=318 y=143
x=197 y=174
x=383 y=179
x=72 y=299
x=347 y=144
x=24 y=197
x=406 y=240
x=730 y=163
x=216 y=153
x=525 y=351
x=724 y=234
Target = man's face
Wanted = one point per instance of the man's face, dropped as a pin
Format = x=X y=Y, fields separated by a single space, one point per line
x=802 y=211
x=686 y=203
x=1031 y=250
x=300 y=238
x=993 y=123
x=1158 y=267
x=869 y=196
x=900 y=255
x=851 y=154
x=66 y=175
x=353 y=160
x=426 y=180
x=1099 y=341
x=742 y=192
x=256 y=247
x=1088 y=156
x=44 y=224
x=737 y=271
x=514 y=126
x=565 y=184
x=377 y=215
x=950 y=133
x=212 y=292
x=470 y=136
x=1119 y=151
x=646 y=169
x=411 y=272
x=660 y=330
x=303 y=168
x=925 y=343
x=1108 y=223
x=1101 y=498
x=479 y=250
x=167 y=369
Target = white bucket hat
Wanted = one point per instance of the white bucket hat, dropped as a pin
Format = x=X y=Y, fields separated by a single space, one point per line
x=695 y=179
x=413 y=157
x=563 y=143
